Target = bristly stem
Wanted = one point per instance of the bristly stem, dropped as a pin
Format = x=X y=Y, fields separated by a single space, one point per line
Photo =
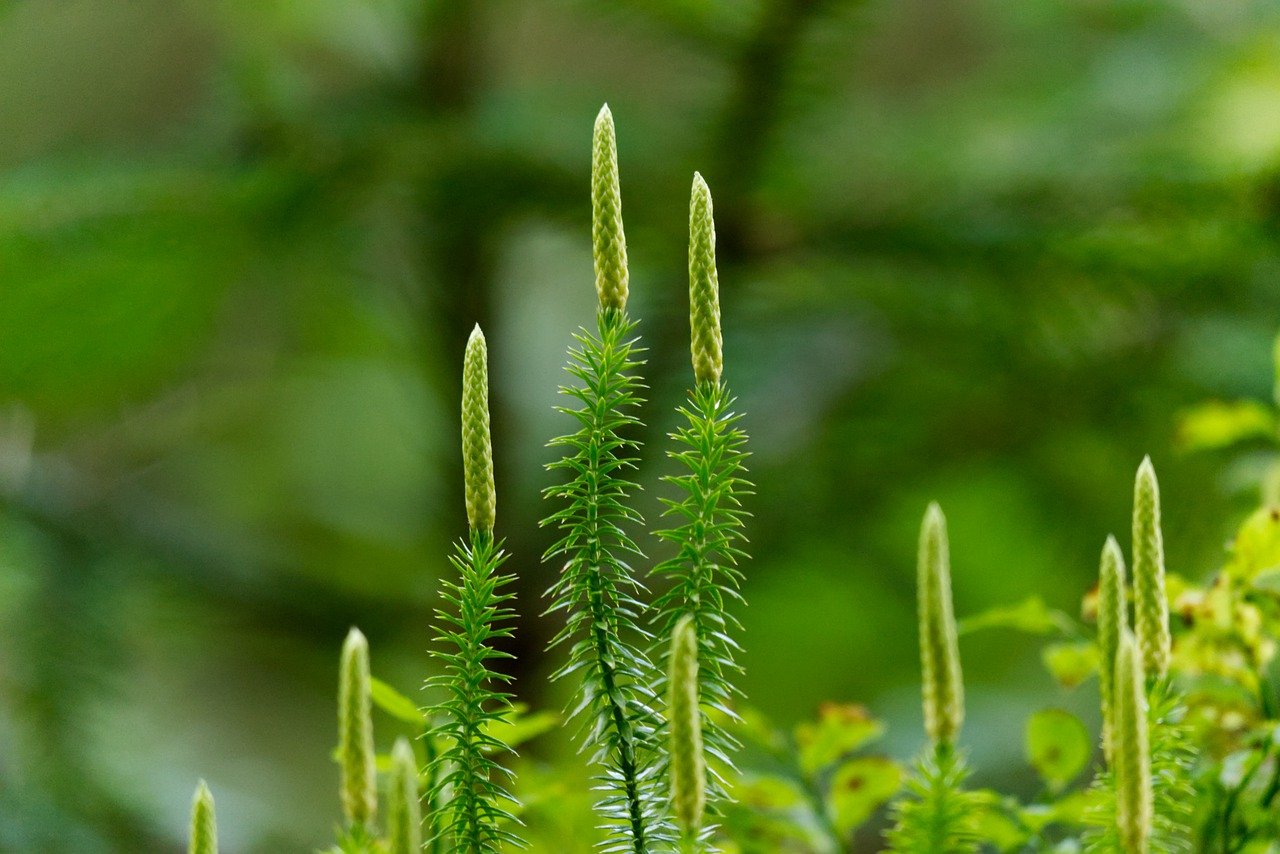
x=597 y=590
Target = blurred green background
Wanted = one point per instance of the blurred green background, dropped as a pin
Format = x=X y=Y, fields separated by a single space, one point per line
x=982 y=252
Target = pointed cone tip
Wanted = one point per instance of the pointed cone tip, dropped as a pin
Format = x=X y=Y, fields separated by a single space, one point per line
x=355 y=637
x=933 y=513
x=476 y=334
x=605 y=116
x=1146 y=465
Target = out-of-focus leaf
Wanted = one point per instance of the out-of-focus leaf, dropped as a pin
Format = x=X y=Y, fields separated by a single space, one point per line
x=1058 y=746
x=1220 y=424
x=859 y=787
x=1030 y=615
x=841 y=728
x=1268 y=580
x=395 y=704
x=768 y=793
x=994 y=820
x=1070 y=663
x=1257 y=544
x=520 y=726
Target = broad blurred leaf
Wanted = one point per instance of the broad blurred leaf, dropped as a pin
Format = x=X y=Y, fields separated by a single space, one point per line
x=1257 y=544
x=520 y=726
x=841 y=728
x=859 y=786
x=1031 y=616
x=1070 y=663
x=1218 y=424
x=395 y=704
x=1058 y=746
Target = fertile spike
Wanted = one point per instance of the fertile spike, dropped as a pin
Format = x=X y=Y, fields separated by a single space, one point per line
x=404 y=812
x=608 y=243
x=355 y=732
x=1150 y=602
x=688 y=766
x=1132 y=753
x=477 y=449
x=939 y=650
x=1111 y=623
x=704 y=286
x=204 y=824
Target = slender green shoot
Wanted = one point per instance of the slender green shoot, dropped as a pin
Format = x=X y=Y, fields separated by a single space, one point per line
x=204 y=823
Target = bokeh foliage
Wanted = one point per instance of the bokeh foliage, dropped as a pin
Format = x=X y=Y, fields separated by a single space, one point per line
x=977 y=252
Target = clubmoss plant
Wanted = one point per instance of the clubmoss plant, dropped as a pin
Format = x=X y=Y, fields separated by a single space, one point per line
x=355 y=736
x=684 y=716
x=475 y=615
x=1150 y=602
x=1112 y=623
x=404 y=811
x=597 y=591
x=1131 y=751
x=938 y=817
x=710 y=447
x=204 y=823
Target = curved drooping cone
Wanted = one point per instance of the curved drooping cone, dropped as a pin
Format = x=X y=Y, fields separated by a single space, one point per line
x=1150 y=602
x=688 y=765
x=204 y=824
x=939 y=648
x=404 y=811
x=1131 y=753
x=608 y=242
x=1112 y=622
x=477 y=448
x=355 y=733
x=704 y=287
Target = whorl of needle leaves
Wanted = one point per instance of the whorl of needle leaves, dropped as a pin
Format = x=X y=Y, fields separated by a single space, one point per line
x=688 y=765
x=1131 y=751
x=355 y=732
x=1150 y=601
x=608 y=242
x=938 y=815
x=404 y=812
x=939 y=649
x=473 y=615
x=704 y=287
x=477 y=449
x=204 y=825
x=1112 y=622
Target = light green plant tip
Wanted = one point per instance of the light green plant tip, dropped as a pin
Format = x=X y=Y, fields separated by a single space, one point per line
x=608 y=243
x=1112 y=622
x=688 y=765
x=704 y=286
x=355 y=732
x=204 y=824
x=1132 y=753
x=943 y=687
x=1150 y=601
x=477 y=447
x=404 y=812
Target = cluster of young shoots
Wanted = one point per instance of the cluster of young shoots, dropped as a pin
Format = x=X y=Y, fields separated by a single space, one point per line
x=653 y=677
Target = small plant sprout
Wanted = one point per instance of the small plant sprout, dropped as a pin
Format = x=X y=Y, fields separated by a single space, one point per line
x=469 y=781
x=1112 y=622
x=1132 y=758
x=404 y=811
x=204 y=824
x=355 y=735
x=943 y=688
x=1150 y=602
x=597 y=590
x=708 y=537
x=688 y=765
